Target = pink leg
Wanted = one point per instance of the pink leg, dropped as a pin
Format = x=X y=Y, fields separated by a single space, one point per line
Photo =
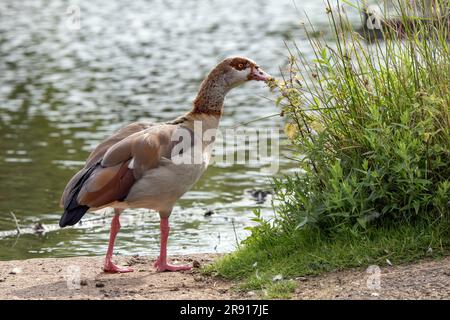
x=109 y=266
x=161 y=263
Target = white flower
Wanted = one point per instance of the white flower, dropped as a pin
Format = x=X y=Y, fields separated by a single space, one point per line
x=278 y=277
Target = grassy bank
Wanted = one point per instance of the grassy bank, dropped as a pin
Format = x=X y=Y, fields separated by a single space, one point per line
x=272 y=260
x=370 y=123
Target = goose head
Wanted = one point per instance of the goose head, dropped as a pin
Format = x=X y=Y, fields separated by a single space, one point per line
x=372 y=17
x=237 y=70
x=229 y=73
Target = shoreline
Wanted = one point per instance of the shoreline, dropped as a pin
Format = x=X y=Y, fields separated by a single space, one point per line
x=82 y=278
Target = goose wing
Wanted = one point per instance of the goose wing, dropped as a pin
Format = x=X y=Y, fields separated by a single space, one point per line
x=113 y=167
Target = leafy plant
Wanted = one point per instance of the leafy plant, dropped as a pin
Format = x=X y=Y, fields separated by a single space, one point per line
x=371 y=124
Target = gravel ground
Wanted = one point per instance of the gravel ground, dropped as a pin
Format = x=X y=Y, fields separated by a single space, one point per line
x=422 y=280
x=82 y=278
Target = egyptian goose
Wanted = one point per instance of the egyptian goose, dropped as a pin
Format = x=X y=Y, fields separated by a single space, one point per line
x=375 y=25
x=151 y=165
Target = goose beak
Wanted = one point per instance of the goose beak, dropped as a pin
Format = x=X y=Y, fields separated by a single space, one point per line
x=259 y=74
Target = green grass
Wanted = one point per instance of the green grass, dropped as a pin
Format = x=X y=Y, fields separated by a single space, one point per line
x=280 y=289
x=311 y=252
x=370 y=124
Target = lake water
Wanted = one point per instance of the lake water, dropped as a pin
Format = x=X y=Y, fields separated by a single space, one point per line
x=63 y=90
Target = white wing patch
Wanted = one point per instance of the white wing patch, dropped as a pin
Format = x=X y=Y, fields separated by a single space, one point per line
x=131 y=164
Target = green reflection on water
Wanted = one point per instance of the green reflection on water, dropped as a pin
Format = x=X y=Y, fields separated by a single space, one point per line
x=61 y=92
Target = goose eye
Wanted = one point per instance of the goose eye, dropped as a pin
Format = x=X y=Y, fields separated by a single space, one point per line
x=241 y=66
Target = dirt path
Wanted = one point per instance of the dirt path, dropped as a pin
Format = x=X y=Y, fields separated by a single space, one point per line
x=57 y=279
x=422 y=280
x=52 y=279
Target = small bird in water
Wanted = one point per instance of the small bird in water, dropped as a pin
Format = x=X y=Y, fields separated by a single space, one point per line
x=151 y=165
x=260 y=195
x=377 y=26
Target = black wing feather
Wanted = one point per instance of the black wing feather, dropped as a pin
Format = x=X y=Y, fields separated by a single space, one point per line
x=73 y=211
